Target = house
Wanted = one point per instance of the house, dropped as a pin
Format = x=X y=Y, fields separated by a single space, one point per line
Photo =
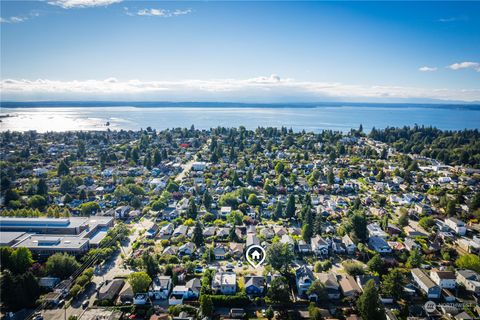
x=236 y=249
x=199 y=166
x=109 y=291
x=444 y=279
x=379 y=245
x=426 y=284
x=456 y=225
x=166 y=230
x=329 y=279
x=170 y=250
x=160 y=287
x=209 y=231
x=224 y=211
x=338 y=247
x=319 y=246
x=48 y=282
x=181 y=230
x=286 y=239
x=363 y=279
x=179 y=293
x=225 y=282
x=267 y=233
x=152 y=231
x=219 y=252
x=254 y=285
x=410 y=244
x=349 y=244
x=186 y=249
x=304 y=278
x=140 y=299
x=280 y=231
x=252 y=240
x=193 y=288
x=374 y=230
x=349 y=286
x=470 y=279
x=304 y=247
x=122 y=212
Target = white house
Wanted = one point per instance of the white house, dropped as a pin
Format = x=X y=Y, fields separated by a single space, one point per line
x=160 y=287
x=456 y=225
x=444 y=279
x=199 y=166
x=374 y=230
x=319 y=245
x=349 y=244
x=225 y=282
x=424 y=282
x=470 y=279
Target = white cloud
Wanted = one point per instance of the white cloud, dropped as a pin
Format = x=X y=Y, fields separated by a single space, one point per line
x=427 y=69
x=18 y=19
x=69 y=4
x=269 y=88
x=161 y=12
x=465 y=65
x=13 y=19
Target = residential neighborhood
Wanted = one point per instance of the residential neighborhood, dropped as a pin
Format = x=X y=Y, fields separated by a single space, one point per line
x=156 y=225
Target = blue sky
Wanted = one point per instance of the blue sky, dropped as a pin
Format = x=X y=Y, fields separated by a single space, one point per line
x=240 y=51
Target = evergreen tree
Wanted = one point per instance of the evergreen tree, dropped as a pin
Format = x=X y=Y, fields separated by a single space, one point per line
x=368 y=304
x=290 y=211
x=192 y=209
x=63 y=169
x=207 y=200
x=42 y=187
x=197 y=237
x=392 y=284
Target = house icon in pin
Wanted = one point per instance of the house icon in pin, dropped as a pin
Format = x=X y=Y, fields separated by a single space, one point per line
x=256 y=255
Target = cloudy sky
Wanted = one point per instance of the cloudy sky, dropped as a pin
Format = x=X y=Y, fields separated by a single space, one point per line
x=240 y=51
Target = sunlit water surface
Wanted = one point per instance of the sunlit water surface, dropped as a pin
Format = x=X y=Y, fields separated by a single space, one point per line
x=340 y=118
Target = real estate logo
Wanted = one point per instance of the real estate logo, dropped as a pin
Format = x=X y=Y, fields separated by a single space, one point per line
x=430 y=306
x=255 y=255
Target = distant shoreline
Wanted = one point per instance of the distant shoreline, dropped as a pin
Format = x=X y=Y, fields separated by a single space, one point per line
x=166 y=104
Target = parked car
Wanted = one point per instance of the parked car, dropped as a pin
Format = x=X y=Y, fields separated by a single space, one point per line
x=85 y=304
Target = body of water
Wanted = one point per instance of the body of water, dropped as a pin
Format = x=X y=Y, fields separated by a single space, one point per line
x=341 y=118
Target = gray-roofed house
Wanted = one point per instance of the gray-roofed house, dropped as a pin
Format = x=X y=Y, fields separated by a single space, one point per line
x=426 y=284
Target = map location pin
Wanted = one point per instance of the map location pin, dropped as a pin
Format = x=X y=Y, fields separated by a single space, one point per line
x=255 y=255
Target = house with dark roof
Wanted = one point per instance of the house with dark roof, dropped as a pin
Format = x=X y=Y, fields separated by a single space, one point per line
x=304 y=278
x=254 y=285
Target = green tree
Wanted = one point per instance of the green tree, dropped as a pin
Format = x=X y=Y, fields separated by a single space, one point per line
x=426 y=222
x=269 y=313
x=61 y=265
x=403 y=219
x=192 y=209
x=318 y=288
x=330 y=177
x=278 y=212
x=206 y=306
x=279 y=291
x=290 y=211
x=469 y=261
x=375 y=264
x=207 y=200
x=253 y=200
x=89 y=208
x=37 y=202
x=280 y=256
x=415 y=259
x=197 y=237
x=358 y=224
x=42 y=187
x=368 y=304
x=392 y=284
x=139 y=281
x=20 y=260
x=451 y=208
x=63 y=169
